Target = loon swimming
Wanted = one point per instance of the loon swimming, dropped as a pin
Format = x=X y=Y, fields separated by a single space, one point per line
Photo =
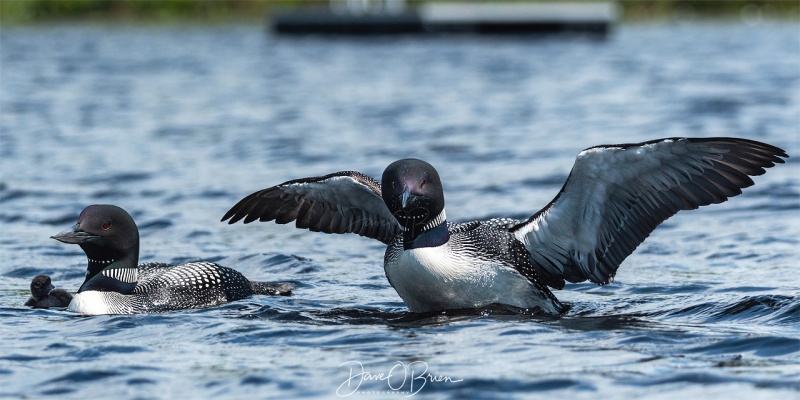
x=45 y=295
x=116 y=285
x=612 y=200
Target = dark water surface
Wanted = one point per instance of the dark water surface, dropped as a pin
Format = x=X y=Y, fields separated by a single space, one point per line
x=176 y=124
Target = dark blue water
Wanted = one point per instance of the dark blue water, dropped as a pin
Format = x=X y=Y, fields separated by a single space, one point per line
x=176 y=124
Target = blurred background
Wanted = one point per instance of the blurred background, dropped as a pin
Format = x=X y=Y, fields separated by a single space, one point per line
x=175 y=110
x=23 y=11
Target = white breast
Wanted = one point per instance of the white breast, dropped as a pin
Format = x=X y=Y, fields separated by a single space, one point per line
x=93 y=302
x=436 y=278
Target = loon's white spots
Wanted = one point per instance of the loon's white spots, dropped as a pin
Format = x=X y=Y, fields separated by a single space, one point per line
x=163 y=287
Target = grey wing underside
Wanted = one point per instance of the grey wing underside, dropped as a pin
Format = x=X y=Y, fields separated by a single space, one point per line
x=616 y=195
x=342 y=202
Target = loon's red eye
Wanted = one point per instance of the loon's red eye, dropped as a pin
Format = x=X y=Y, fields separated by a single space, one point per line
x=106 y=225
x=422 y=185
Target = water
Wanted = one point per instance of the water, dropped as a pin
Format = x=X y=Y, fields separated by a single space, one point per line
x=177 y=123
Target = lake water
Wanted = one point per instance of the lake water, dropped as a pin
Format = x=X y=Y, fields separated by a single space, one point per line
x=177 y=123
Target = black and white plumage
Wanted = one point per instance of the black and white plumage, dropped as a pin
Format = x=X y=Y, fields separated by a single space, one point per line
x=612 y=200
x=343 y=202
x=115 y=284
x=45 y=295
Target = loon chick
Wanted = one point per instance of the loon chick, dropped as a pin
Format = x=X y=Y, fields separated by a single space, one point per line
x=114 y=283
x=612 y=200
x=45 y=295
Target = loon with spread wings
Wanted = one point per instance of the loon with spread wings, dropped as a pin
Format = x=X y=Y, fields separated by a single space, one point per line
x=612 y=200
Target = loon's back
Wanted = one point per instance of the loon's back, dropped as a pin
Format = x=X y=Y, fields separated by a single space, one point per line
x=163 y=287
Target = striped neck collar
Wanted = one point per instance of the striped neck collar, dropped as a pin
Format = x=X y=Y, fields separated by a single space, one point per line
x=111 y=275
x=441 y=218
x=122 y=274
x=433 y=234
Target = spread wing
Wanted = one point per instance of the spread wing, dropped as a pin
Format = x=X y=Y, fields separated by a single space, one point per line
x=342 y=202
x=616 y=195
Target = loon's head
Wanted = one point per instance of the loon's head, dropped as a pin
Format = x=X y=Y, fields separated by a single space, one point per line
x=106 y=233
x=41 y=286
x=412 y=191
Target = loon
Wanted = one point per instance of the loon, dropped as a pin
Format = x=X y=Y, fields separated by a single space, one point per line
x=45 y=295
x=613 y=198
x=114 y=283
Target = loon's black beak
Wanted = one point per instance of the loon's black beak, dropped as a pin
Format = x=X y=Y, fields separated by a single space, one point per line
x=73 y=235
x=404 y=199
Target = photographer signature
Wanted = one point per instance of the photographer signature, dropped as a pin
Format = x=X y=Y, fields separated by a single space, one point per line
x=401 y=378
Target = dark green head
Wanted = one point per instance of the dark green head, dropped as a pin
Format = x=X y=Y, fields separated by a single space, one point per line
x=105 y=232
x=412 y=191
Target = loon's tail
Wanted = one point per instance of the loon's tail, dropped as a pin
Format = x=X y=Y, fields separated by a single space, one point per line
x=272 y=289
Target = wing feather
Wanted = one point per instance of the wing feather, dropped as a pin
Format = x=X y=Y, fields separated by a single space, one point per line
x=342 y=202
x=617 y=195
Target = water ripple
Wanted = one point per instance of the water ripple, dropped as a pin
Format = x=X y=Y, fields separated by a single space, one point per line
x=177 y=123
